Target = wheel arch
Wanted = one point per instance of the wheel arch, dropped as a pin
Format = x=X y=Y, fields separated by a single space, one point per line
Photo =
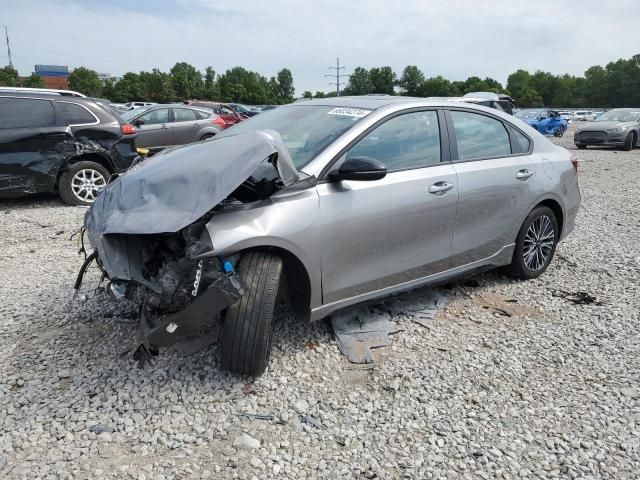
x=297 y=286
x=85 y=157
x=557 y=210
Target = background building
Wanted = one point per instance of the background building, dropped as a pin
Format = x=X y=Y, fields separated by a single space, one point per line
x=54 y=76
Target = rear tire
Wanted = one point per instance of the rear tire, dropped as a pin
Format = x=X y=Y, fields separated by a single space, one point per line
x=206 y=136
x=245 y=347
x=535 y=244
x=91 y=174
x=629 y=142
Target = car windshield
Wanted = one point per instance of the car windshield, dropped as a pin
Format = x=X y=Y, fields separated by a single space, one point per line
x=306 y=130
x=239 y=108
x=527 y=114
x=619 y=116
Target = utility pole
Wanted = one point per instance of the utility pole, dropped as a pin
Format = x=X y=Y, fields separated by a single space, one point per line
x=337 y=68
x=6 y=34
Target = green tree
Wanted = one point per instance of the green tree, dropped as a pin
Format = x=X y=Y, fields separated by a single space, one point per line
x=285 y=90
x=187 y=81
x=436 y=87
x=240 y=85
x=8 y=77
x=359 y=83
x=520 y=86
x=319 y=94
x=129 y=88
x=33 y=81
x=85 y=81
x=383 y=80
x=157 y=86
x=307 y=94
x=211 y=90
x=411 y=80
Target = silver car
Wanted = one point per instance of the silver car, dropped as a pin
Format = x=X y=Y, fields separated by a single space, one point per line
x=616 y=128
x=161 y=126
x=326 y=203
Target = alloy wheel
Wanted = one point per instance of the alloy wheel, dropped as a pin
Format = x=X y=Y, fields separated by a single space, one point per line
x=87 y=183
x=538 y=243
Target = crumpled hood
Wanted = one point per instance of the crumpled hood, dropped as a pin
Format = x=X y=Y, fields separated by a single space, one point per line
x=174 y=188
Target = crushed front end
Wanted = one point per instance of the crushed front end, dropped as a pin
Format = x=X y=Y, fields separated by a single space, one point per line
x=148 y=235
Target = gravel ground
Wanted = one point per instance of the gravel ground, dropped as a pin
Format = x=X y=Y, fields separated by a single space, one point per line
x=509 y=381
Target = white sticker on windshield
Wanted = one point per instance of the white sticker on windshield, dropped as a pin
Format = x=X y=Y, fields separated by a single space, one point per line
x=349 y=112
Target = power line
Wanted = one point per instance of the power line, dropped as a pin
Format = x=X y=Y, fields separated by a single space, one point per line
x=6 y=34
x=337 y=68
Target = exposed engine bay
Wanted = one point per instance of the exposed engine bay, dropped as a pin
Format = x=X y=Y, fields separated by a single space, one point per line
x=149 y=235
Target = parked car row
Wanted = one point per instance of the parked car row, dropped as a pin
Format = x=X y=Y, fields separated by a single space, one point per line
x=61 y=141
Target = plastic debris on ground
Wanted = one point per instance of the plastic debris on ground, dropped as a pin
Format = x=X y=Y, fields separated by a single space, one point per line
x=360 y=329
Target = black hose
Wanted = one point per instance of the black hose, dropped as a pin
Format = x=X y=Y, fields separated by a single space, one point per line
x=83 y=269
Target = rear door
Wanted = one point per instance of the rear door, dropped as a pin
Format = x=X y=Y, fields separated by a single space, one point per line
x=186 y=126
x=34 y=142
x=495 y=173
x=385 y=233
x=155 y=129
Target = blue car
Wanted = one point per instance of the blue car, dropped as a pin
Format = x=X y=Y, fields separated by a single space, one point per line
x=547 y=122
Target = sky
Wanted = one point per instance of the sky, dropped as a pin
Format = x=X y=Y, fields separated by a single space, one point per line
x=452 y=38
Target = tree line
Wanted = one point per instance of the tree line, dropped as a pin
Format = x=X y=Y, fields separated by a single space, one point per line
x=615 y=85
x=182 y=82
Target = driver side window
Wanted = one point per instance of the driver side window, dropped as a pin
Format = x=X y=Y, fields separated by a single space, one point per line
x=156 y=116
x=408 y=141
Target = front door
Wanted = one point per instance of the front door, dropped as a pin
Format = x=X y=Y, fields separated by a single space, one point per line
x=384 y=233
x=495 y=176
x=155 y=129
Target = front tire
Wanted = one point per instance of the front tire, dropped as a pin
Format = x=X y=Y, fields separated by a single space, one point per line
x=245 y=346
x=535 y=244
x=581 y=146
x=629 y=142
x=81 y=183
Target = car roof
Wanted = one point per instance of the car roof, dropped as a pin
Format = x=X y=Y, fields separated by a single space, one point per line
x=47 y=96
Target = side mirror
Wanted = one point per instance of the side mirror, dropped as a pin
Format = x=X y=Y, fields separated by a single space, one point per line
x=359 y=168
x=138 y=122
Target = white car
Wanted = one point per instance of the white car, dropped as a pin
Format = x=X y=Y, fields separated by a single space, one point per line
x=568 y=116
x=584 y=115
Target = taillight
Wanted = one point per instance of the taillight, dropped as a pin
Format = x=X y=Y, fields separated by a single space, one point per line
x=127 y=129
x=219 y=122
x=574 y=162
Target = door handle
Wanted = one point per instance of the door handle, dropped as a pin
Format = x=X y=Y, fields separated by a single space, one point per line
x=164 y=126
x=440 y=188
x=524 y=174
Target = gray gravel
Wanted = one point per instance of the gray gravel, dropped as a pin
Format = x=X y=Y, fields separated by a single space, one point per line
x=508 y=381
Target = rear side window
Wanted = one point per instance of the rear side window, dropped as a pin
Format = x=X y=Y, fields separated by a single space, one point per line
x=479 y=136
x=183 y=115
x=407 y=141
x=521 y=141
x=26 y=113
x=202 y=115
x=76 y=114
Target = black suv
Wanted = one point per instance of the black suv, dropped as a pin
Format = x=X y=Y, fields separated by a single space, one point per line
x=55 y=143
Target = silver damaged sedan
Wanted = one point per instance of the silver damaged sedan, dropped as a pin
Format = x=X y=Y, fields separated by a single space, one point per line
x=325 y=204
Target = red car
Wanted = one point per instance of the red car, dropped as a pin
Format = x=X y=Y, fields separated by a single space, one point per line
x=224 y=111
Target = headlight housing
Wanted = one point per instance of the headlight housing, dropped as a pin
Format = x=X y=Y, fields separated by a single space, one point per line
x=617 y=129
